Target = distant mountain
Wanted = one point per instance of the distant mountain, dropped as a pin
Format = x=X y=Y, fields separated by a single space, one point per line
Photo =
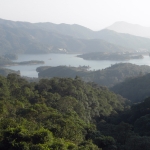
x=18 y=40
x=125 y=40
x=133 y=29
x=74 y=30
x=35 y=40
x=16 y=24
x=24 y=37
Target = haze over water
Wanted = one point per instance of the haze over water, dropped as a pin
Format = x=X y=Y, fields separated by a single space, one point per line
x=67 y=59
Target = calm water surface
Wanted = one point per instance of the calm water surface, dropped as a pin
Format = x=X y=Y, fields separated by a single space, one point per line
x=67 y=59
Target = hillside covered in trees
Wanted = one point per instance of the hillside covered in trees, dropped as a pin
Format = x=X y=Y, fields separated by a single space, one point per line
x=139 y=85
x=106 y=77
x=68 y=114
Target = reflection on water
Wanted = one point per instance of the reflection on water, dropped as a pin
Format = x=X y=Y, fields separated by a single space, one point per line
x=67 y=59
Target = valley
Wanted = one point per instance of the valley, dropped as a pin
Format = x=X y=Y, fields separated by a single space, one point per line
x=67 y=87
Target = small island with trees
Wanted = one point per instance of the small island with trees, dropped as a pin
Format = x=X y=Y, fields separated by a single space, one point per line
x=116 y=56
x=7 y=61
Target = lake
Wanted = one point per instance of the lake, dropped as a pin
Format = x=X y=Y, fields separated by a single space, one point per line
x=67 y=59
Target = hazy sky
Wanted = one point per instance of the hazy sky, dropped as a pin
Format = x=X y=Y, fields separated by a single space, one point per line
x=94 y=14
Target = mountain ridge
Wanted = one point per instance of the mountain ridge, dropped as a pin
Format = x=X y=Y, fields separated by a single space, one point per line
x=28 y=40
x=133 y=29
x=49 y=37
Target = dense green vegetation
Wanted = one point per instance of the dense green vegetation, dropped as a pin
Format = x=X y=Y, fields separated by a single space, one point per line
x=65 y=112
x=139 y=85
x=106 y=77
x=69 y=114
x=52 y=114
x=118 y=73
x=61 y=71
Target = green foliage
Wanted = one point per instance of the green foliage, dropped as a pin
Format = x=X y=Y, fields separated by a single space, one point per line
x=40 y=147
x=139 y=85
x=142 y=125
x=68 y=114
x=15 y=138
x=45 y=112
x=4 y=91
x=42 y=136
x=104 y=141
x=88 y=145
x=106 y=77
x=138 y=143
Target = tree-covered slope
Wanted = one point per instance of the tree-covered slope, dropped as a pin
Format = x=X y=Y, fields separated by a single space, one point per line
x=117 y=73
x=69 y=114
x=135 y=89
x=106 y=77
x=53 y=114
x=130 y=128
x=60 y=71
x=5 y=71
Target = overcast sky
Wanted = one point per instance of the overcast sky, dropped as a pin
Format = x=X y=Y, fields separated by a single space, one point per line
x=94 y=14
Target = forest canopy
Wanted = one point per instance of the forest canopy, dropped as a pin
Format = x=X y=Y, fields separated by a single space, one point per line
x=67 y=114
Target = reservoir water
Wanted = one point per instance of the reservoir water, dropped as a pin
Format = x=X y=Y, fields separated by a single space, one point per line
x=67 y=59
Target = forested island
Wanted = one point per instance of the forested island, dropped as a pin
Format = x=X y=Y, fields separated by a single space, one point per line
x=123 y=56
x=5 y=61
x=31 y=62
x=69 y=114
